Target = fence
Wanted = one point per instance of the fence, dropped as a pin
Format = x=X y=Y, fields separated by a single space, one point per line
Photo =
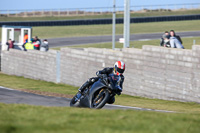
x=95 y=10
x=155 y=72
x=101 y=21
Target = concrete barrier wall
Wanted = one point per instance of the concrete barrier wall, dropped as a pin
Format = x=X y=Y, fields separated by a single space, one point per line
x=154 y=72
x=0 y=59
x=32 y=64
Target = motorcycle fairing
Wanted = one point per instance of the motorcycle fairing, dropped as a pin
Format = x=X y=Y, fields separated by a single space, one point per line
x=87 y=100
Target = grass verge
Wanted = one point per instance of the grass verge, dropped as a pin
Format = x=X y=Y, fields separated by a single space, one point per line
x=37 y=119
x=100 y=30
x=19 y=83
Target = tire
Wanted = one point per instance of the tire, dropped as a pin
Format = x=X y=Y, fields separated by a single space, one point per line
x=75 y=102
x=99 y=102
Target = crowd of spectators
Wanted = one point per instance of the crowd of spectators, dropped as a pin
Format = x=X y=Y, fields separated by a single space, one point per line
x=35 y=44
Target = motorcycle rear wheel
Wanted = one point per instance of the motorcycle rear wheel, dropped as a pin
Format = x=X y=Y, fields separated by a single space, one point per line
x=100 y=97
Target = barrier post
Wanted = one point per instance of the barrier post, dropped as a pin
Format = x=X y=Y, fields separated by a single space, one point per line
x=58 y=67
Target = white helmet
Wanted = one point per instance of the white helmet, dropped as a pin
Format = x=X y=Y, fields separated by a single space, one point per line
x=119 y=67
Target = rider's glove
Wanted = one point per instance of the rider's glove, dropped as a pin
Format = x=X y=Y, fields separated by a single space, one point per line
x=118 y=90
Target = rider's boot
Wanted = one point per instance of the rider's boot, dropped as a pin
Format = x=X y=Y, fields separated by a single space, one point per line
x=111 y=100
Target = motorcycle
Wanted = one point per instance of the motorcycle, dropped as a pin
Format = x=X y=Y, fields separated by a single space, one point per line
x=98 y=94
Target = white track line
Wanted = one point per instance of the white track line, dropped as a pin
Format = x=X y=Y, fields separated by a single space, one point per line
x=137 y=108
x=1 y=87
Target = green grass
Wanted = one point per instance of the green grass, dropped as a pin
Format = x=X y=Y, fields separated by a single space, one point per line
x=100 y=30
x=136 y=14
x=38 y=85
x=37 y=119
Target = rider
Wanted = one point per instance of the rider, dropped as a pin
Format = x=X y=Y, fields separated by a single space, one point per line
x=118 y=69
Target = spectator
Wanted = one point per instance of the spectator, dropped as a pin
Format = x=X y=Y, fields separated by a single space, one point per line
x=175 y=40
x=44 y=46
x=10 y=44
x=36 y=43
x=25 y=38
x=29 y=45
x=164 y=41
x=25 y=41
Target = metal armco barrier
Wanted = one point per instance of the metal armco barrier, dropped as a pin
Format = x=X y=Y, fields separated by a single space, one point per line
x=102 y=21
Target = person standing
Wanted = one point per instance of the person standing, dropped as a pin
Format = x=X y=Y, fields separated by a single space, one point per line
x=164 y=41
x=25 y=38
x=36 y=43
x=175 y=40
x=25 y=41
x=10 y=44
x=44 y=46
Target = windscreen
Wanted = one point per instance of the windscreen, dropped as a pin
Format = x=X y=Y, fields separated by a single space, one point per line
x=115 y=79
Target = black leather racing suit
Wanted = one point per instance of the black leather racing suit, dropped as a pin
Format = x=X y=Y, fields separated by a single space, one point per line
x=108 y=71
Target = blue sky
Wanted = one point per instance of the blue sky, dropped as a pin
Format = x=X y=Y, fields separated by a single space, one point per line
x=54 y=4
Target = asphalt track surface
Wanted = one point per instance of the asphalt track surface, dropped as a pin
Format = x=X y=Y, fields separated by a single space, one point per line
x=70 y=41
x=9 y=96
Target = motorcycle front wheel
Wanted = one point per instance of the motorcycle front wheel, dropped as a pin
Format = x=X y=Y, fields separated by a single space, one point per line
x=99 y=99
x=75 y=102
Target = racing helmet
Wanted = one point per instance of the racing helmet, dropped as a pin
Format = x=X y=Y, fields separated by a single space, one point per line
x=119 y=67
